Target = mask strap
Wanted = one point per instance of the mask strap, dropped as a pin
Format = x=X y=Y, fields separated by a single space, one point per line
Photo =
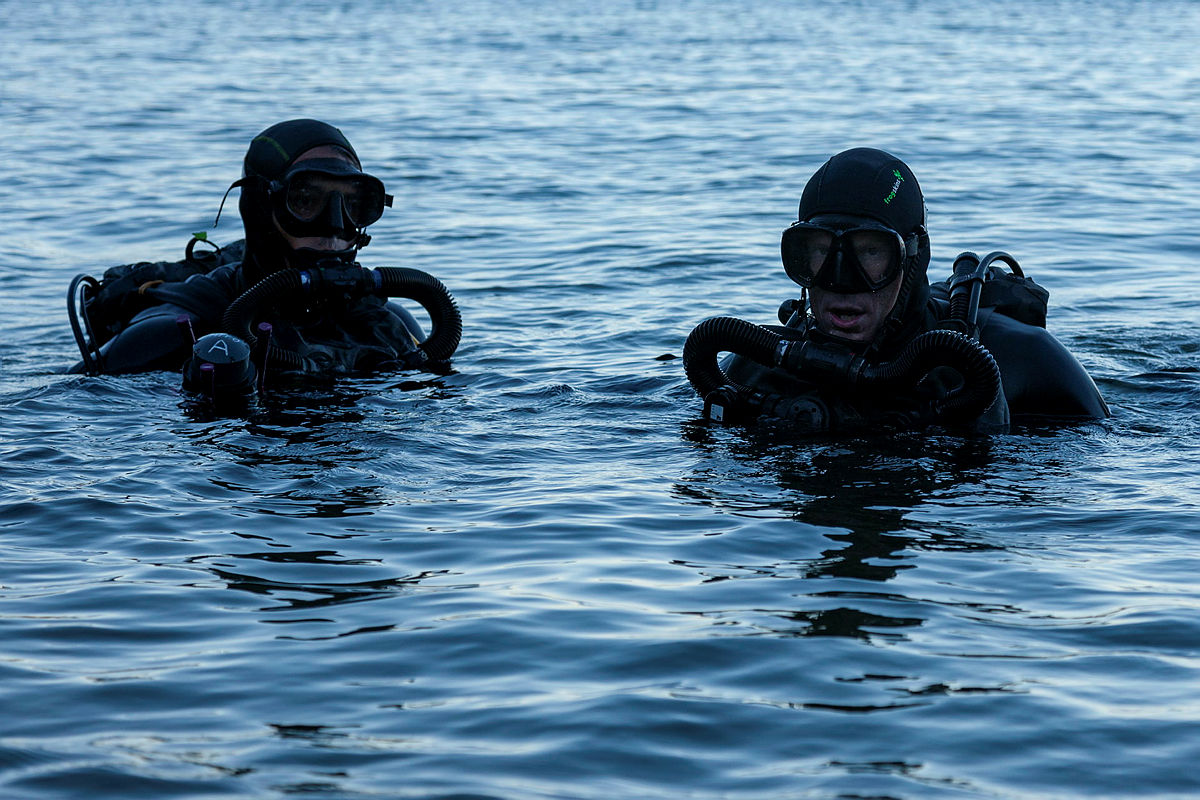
x=239 y=182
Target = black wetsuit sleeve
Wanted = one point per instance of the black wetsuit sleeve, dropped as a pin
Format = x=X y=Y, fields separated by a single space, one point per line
x=1041 y=377
x=154 y=340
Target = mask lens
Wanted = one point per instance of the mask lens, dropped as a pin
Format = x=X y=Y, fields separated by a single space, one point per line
x=309 y=193
x=364 y=202
x=845 y=261
x=876 y=251
x=306 y=196
x=804 y=252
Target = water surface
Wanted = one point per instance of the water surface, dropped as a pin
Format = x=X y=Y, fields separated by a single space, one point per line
x=542 y=577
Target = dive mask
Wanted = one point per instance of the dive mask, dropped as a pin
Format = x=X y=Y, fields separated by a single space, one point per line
x=324 y=197
x=846 y=256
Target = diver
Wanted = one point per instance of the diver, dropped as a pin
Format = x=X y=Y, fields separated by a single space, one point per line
x=871 y=344
x=296 y=295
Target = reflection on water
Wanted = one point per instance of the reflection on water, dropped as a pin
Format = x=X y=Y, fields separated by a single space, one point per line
x=304 y=595
x=880 y=501
x=861 y=490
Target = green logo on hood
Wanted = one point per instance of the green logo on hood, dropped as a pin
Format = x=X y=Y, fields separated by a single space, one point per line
x=895 y=187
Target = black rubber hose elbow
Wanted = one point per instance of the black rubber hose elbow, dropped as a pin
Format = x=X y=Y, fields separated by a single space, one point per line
x=942 y=348
x=240 y=315
x=435 y=298
x=719 y=334
x=966 y=280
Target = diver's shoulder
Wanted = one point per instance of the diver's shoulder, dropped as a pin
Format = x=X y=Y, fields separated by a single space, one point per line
x=1041 y=376
x=1011 y=337
x=205 y=295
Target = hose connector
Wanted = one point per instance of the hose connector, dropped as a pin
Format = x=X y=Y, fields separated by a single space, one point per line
x=815 y=361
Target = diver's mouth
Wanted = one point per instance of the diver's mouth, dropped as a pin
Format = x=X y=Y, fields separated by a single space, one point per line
x=845 y=317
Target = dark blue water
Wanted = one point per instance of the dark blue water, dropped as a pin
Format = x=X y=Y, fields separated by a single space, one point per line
x=540 y=577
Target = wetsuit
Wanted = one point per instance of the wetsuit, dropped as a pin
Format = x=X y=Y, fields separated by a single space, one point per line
x=370 y=334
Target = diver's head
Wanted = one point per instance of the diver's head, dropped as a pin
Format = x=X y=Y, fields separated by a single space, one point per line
x=304 y=197
x=860 y=248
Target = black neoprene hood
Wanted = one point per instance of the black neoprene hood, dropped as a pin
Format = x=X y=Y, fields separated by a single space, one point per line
x=868 y=183
x=269 y=156
x=276 y=148
x=865 y=182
